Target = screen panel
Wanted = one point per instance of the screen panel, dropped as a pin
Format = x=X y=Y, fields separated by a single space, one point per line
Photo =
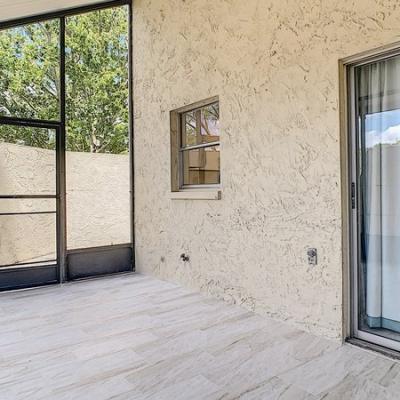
x=97 y=138
x=27 y=160
x=29 y=71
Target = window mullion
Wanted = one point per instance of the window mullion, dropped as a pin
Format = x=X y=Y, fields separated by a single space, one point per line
x=200 y=146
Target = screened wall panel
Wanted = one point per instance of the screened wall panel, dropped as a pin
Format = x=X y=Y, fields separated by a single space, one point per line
x=65 y=159
x=97 y=136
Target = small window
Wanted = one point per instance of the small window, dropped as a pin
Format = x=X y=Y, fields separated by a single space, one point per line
x=195 y=146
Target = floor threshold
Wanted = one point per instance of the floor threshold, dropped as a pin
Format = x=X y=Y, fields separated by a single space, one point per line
x=375 y=348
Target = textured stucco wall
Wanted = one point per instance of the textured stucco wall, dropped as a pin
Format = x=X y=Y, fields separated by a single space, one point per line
x=98 y=201
x=274 y=64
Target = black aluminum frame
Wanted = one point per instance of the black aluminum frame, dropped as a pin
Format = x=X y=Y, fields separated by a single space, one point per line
x=28 y=274
x=60 y=127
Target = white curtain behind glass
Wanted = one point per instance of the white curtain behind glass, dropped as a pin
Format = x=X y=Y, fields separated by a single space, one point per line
x=379 y=101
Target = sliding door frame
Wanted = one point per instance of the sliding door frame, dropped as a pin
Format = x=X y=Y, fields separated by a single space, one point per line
x=60 y=127
x=350 y=200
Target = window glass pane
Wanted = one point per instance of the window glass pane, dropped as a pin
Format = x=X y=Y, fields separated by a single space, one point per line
x=210 y=123
x=201 y=126
x=27 y=238
x=201 y=166
x=27 y=160
x=189 y=129
x=29 y=71
x=97 y=157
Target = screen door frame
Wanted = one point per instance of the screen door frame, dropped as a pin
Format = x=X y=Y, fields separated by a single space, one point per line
x=30 y=274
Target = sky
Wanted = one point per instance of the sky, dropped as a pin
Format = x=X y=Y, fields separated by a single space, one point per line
x=382 y=128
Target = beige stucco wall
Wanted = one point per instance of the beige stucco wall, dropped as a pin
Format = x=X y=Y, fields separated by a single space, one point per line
x=274 y=64
x=98 y=202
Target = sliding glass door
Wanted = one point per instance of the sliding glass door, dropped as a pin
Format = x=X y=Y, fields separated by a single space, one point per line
x=376 y=200
x=66 y=199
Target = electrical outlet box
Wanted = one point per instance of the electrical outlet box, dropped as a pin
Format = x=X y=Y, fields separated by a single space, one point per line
x=312 y=256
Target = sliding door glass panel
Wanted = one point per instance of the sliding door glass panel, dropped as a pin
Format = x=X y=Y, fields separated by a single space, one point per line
x=27 y=161
x=29 y=71
x=378 y=105
x=97 y=157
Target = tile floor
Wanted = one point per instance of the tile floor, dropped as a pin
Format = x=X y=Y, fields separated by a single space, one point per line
x=135 y=337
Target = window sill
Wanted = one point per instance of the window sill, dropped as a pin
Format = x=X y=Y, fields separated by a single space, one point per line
x=193 y=194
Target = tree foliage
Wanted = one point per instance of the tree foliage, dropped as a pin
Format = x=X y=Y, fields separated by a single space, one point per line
x=96 y=80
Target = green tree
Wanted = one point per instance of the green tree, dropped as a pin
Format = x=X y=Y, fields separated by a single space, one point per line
x=96 y=80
